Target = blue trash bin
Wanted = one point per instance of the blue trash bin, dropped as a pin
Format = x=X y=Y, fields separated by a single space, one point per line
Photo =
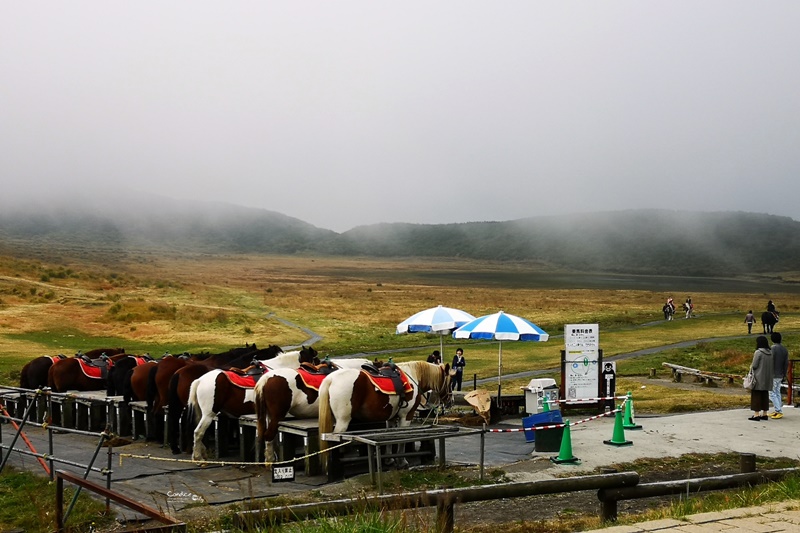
x=548 y=417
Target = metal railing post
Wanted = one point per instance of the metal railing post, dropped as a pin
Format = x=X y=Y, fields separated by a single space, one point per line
x=103 y=437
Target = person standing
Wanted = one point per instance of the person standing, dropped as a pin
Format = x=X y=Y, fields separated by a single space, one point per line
x=435 y=358
x=458 y=365
x=763 y=375
x=780 y=364
x=749 y=319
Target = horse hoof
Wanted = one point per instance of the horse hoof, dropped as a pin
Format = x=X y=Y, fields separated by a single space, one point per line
x=175 y=451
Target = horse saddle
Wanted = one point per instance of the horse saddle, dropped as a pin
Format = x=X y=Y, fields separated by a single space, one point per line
x=312 y=376
x=249 y=378
x=388 y=379
x=245 y=381
x=318 y=370
x=95 y=368
x=56 y=358
x=142 y=359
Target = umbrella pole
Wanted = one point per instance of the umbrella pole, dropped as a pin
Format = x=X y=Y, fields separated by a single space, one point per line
x=499 y=371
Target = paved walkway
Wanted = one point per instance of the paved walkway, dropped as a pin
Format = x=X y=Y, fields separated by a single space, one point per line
x=783 y=516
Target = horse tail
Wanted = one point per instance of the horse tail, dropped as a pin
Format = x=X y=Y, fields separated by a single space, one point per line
x=111 y=381
x=325 y=420
x=193 y=411
x=127 y=387
x=174 y=415
x=51 y=378
x=152 y=389
x=24 y=380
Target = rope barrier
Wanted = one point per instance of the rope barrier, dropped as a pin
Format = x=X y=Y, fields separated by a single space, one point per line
x=588 y=400
x=227 y=463
x=554 y=426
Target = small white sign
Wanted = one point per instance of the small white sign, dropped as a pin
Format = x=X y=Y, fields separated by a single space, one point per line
x=282 y=473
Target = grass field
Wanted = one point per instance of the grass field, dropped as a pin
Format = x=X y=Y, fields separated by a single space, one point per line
x=157 y=304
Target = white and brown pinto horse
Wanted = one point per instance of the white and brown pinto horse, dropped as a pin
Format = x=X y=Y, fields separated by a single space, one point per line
x=289 y=391
x=347 y=395
x=229 y=392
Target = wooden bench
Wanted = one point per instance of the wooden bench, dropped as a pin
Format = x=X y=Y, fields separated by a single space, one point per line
x=705 y=377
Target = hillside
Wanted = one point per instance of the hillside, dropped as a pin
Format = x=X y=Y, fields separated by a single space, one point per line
x=635 y=241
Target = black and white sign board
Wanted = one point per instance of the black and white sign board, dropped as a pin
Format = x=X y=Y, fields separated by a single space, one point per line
x=282 y=473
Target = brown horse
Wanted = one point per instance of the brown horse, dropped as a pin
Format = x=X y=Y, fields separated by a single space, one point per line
x=350 y=394
x=181 y=381
x=220 y=391
x=34 y=373
x=134 y=385
x=69 y=375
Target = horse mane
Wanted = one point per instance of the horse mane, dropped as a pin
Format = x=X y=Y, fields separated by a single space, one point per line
x=427 y=375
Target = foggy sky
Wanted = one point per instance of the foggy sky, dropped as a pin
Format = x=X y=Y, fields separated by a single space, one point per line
x=350 y=113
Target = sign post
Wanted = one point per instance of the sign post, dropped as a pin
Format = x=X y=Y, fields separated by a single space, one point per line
x=581 y=364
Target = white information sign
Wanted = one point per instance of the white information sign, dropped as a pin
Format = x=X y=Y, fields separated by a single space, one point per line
x=581 y=353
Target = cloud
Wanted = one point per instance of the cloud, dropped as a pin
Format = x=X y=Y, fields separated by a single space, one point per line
x=358 y=113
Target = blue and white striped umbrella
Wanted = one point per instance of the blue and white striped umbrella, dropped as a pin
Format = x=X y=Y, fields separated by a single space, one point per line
x=502 y=327
x=436 y=320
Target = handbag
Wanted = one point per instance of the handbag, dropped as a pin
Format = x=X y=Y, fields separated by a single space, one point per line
x=749 y=380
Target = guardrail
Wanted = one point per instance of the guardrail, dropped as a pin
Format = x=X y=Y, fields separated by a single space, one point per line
x=61 y=476
x=443 y=499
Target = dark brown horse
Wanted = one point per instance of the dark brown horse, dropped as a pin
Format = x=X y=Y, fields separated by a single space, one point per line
x=119 y=370
x=221 y=391
x=34 y=373
x=69 y=374
x=180 y=382
x=97 y=352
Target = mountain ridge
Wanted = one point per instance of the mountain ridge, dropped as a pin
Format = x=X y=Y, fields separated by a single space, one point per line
x=635 y=241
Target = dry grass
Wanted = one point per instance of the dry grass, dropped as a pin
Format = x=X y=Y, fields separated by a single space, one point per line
x=198 y=303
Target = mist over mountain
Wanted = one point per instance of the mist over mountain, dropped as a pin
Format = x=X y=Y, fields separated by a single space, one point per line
x=633 y=242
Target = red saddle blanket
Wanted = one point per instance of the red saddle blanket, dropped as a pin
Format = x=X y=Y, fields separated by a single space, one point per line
x=245 y=382
x=90 y=371
x=55 y=358
x=385 y=385
x=311 y=380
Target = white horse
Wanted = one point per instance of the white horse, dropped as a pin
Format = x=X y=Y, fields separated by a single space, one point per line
x=348 y=395
x=213 y=393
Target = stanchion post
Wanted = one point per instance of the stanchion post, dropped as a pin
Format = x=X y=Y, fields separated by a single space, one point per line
x=445 y=514
x=747 y=462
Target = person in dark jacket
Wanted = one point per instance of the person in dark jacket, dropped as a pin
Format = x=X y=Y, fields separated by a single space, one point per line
x=435 y=358
x=763 y=374
x=780 y=366
x=458 y=366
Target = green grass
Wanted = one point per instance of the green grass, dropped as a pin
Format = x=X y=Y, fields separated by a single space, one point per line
x=27 y=502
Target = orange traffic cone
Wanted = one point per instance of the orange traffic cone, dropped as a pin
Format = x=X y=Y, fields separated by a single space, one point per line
x=565 y=453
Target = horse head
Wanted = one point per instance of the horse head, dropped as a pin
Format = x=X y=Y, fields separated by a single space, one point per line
x=308 y=355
